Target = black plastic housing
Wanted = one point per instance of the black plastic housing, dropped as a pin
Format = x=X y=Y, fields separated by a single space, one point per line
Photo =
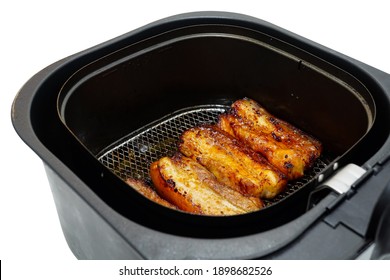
x=71 y=111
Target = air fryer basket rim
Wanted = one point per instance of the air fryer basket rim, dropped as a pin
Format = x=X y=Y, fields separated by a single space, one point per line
x=73 y=83
x=109 y=68
x=23 y=112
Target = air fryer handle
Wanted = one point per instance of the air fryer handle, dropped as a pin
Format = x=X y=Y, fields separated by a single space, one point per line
x=380 y=223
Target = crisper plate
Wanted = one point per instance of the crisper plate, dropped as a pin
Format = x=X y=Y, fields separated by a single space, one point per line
x=131 y=156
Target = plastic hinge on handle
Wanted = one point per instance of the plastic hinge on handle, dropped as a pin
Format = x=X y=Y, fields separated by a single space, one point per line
x=343 y=179
x=339 y=183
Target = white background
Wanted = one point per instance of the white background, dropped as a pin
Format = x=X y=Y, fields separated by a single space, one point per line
x=35 y=34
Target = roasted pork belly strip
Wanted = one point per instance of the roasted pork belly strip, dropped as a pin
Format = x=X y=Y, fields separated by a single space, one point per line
x=286 y=147
x=232 y=163
x=191 y=187
x=148 y=192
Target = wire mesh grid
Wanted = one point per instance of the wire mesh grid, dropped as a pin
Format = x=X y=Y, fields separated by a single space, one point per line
x=133 y=155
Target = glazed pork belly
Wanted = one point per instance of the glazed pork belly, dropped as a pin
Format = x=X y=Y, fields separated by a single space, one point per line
x=286 y=147
x=232 y=163
x=148 y=192
x=192 y=188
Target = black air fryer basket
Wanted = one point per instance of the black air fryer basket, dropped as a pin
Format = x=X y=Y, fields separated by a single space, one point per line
x=104 y=114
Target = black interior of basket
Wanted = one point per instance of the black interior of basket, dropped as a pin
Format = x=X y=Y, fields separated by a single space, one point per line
x=122 y=106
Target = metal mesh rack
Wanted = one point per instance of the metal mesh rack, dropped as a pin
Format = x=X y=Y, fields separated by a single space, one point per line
x=133 y=155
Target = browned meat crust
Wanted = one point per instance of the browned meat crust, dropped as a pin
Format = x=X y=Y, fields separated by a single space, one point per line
x=286 y=147
x=232 y=163
x=148 y=192
x=191 y=187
